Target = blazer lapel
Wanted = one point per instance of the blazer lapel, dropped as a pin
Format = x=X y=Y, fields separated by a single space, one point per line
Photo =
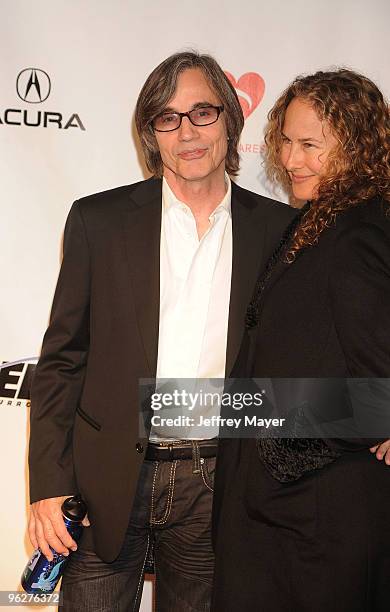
x=142 y=229
x=142 y=233
x=278 y=270
x=248 y=243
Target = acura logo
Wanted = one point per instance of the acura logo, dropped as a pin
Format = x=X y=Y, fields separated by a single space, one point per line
x=33 y=85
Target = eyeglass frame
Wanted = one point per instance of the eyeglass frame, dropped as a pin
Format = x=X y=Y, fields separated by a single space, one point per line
x=219 y=108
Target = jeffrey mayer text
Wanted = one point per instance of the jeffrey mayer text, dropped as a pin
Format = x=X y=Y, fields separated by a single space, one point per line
x=215 y=421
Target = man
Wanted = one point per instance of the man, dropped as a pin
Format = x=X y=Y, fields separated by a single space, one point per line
x=155 y=281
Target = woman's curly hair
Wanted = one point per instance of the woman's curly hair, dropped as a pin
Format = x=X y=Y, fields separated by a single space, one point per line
x=358 y=168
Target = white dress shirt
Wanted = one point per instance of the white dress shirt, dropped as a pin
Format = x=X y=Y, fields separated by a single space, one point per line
x=195 y=278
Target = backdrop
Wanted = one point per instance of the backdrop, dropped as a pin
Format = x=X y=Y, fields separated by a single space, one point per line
x=70 y=74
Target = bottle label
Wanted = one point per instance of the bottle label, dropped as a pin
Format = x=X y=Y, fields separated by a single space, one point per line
x=46 y=580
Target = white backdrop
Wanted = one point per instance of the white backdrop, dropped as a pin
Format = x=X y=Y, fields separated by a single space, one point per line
x=97 y=55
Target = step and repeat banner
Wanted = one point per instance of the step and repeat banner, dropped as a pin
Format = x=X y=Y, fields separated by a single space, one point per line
x=70 y=74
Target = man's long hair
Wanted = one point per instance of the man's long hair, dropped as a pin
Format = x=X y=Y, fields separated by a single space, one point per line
x=160 y=87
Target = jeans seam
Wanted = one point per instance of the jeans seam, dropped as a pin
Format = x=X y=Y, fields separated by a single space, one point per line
x=141 y=575
x=202 y=473
x=170 y=495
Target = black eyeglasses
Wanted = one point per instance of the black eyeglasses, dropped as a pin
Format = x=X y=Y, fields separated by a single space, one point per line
x=204 y=115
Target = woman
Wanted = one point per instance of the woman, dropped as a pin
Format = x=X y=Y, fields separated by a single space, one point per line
x=304 y=525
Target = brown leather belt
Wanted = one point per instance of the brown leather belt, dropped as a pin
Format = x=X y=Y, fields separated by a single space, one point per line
x=172 y=452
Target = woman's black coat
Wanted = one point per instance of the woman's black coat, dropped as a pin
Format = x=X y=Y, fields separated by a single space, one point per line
x=320 y=540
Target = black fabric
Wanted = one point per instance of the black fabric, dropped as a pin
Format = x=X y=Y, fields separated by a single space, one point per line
x=103 y=337
x=310 y=535
x=253 y=310
x=287 y=459
x=327 y=314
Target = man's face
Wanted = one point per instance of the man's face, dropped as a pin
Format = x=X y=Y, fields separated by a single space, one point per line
x=193 y=153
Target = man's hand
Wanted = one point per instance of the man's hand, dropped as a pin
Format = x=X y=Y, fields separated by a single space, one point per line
x=382 y=451
x=47 y=528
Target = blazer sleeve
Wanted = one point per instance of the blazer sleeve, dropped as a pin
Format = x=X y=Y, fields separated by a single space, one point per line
x=59 y=375
x=359 y=288
x=359 y=291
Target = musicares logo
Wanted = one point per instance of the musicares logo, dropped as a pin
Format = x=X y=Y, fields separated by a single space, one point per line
x=250 y=89
x=33 y=85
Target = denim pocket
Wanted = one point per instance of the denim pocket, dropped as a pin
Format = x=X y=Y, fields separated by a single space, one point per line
x=207 y=470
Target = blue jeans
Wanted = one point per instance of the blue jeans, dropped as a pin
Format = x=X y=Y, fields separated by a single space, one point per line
x=171 y=519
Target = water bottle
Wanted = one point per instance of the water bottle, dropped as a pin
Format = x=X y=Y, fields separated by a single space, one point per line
x=41 y=576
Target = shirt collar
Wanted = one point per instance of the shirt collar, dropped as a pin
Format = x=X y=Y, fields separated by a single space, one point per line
x=171 y=201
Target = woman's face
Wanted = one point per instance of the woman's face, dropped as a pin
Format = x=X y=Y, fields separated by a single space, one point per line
x=306 y=144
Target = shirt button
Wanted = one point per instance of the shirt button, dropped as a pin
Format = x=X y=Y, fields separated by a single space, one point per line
x=139 y=448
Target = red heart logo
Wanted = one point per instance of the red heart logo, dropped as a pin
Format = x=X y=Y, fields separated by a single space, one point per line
x=250 y=89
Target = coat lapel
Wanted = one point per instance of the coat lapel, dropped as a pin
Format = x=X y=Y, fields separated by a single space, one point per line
x=278 y=270
x=142 y=235
x=142 y=229
x=248 y=244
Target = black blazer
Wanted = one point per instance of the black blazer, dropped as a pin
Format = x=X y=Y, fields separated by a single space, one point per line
x=328 y=313
x=103 y=337
x=312 y=539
